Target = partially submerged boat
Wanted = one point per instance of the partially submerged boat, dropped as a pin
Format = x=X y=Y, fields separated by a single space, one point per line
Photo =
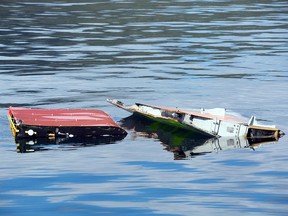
x=53 y=123
x=182 y=143
x=210 y=122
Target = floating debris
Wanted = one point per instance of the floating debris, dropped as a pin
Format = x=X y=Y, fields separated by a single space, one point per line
x=184 y=144
x=209 y=122
x=68 y=123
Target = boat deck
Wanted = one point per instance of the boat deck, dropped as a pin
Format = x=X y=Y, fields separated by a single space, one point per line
x=61 y=117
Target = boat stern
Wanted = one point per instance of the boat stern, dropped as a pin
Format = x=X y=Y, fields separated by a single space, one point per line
x=257 y=134
x=256 y=131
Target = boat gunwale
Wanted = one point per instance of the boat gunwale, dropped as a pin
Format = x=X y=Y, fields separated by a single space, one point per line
x=164 y=118
x=226 y=117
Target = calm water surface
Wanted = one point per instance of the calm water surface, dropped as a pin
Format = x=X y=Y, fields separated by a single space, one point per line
x=191 y=54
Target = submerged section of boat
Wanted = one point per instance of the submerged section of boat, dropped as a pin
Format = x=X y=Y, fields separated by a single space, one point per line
x=28 y=145
x=53 y=123
x=184 y=144
x=210 y=122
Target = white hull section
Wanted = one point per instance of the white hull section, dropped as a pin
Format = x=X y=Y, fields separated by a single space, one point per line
x=211 y=122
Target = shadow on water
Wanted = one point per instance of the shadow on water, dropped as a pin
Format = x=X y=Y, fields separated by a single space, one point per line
x=185 y=144
x=69 y=143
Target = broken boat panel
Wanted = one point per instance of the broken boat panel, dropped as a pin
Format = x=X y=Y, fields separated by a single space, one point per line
x=184 y=144
x=211 y=122
x=36 y=123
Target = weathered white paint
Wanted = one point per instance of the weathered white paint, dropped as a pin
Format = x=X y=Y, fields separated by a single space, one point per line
x=213 y=122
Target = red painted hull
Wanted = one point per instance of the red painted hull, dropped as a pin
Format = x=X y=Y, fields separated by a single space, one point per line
x=28 y=122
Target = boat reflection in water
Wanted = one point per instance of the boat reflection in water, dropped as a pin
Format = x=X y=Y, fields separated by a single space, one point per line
x=64 y=143
x=183 y=143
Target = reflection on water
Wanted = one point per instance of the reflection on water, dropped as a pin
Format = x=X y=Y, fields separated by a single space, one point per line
x=183 y=143
x=42 y=144
x=76 y=54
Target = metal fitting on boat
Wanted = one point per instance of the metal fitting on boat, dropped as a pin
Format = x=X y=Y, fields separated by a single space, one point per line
x=30 y=132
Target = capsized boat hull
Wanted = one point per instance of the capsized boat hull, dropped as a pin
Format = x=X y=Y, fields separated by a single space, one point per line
x=27 y=122
x=212 y=123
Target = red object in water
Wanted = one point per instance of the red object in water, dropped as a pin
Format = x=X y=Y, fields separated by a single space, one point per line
x=27 y=122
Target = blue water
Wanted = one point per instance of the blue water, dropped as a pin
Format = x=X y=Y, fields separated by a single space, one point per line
x=189 y=54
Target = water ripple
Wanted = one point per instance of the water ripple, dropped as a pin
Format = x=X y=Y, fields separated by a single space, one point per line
x=184 y=53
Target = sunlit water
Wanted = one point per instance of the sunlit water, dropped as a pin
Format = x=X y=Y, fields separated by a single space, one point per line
x=191 y=54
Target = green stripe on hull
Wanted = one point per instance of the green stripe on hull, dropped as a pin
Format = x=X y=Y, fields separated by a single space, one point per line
x=175 y=124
